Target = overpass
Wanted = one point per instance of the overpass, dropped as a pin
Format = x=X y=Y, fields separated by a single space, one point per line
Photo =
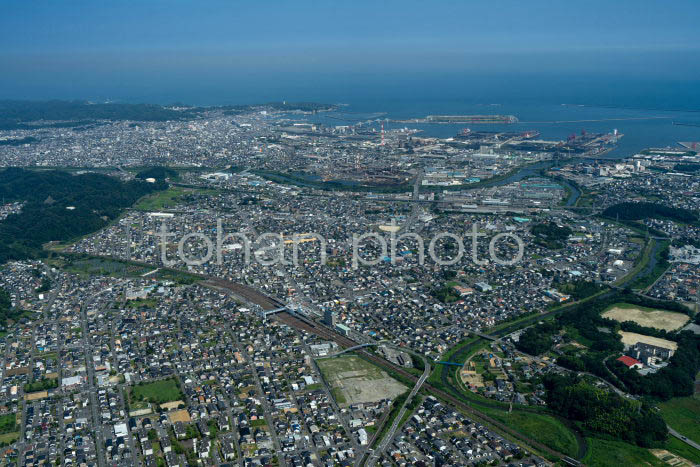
x=485 y=336
x=266 y=313
x=350 y=349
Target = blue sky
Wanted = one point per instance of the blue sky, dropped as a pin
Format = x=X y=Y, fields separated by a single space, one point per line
x=77 y=48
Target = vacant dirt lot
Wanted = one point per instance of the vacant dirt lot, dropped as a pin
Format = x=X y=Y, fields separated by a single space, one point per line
x=179 y=416
x=32 y=396
x=358 y=380
x=658 y=319
x=631 y=338
x=171 y=405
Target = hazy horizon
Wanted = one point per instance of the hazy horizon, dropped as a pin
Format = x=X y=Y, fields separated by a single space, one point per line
x=225 y=53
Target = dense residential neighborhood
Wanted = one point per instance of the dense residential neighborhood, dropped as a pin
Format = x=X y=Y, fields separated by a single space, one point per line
x=295 y=292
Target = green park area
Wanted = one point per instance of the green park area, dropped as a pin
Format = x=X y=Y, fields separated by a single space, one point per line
x=158 y=392
x=42 y=384
x=86 y=265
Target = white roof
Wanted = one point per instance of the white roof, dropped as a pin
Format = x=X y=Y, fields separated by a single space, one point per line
x=120 y=430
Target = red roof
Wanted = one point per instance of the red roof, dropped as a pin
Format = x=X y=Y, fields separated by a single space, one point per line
x=629 y=361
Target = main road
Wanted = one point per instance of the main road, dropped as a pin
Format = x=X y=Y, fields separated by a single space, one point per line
x=687 y=441
x=252 y=295
x=377 y=454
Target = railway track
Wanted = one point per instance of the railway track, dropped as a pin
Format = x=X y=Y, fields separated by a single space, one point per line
x=346 y=342
x=305 y=324
x=247 y=293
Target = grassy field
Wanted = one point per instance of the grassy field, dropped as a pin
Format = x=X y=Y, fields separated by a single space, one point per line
x=9 y=438
x=260 y=422
x=161 y=200
x=616 y=453
x=640 y=264
x=142 y=303
x=660 y=268
x=8 y=423
x=9 y=429
x=169 y=198
x=100 y=267
x=338 y=395
x=158 y=392
x=586 y=200
x=648 y=279
x=333 y=367
x=544 y=428
x=683 y=415
x=678 y=447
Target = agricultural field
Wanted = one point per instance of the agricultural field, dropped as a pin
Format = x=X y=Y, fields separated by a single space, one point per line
x=157 y=392
x=647 y=317
x=354 y=380
x=470 y=377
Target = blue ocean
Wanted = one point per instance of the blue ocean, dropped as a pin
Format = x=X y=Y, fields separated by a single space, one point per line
x=556 y=105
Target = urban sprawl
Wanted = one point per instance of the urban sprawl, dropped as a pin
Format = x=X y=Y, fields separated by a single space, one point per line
x=121 y=358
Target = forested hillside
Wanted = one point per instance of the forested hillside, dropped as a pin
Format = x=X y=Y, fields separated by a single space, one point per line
x=60 y=206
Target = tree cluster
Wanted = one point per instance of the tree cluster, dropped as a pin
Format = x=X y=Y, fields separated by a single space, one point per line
x=34 y=114
x=159 y=173
x=551 y=235
x=580 y=289
x=538 y=339
x=60 y=206
x=6 y=311
x=689 y=168
x=602 y=412
x=632 y=211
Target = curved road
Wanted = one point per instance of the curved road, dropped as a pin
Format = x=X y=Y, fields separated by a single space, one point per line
x=582 y=446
